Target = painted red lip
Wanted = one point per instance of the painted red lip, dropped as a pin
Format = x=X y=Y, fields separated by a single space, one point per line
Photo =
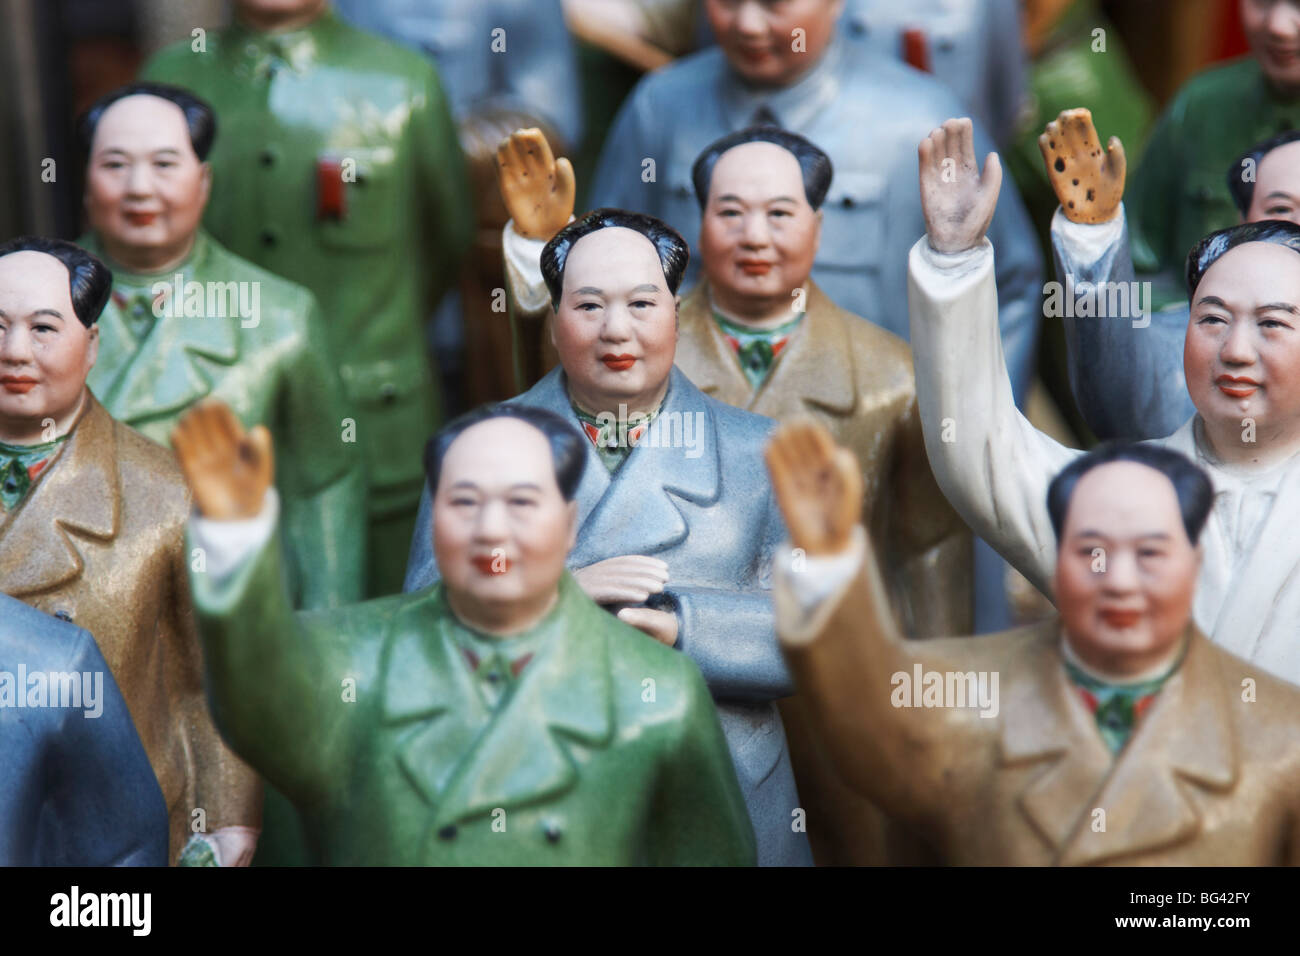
x=1282 y=53
x=1121 y=619
x=141 y=218
x=1237 y=387
x=754 y=54
x=492 y=564
x=18 y=384
x=754 y=267
x=619 y=363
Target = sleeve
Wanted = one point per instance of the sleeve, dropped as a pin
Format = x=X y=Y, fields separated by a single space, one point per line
x=105 y=807
x=226 y=789
x=272 y=676
x=731 y=634
x=846 y=656
x=1126 y=365
x=443 y=186
x=991 y=464
x=321 y=478
x=699 y=814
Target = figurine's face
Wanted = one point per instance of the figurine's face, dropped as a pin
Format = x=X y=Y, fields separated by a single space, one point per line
x=773 y=42
x=1277 y=186
x=758 y=235
x=616 y=327
x=45 y=351
x=278 y=14
x=1125 y=569
x=501 y=527
x=1273 y=29
x=1241 y=356
x=145 y=187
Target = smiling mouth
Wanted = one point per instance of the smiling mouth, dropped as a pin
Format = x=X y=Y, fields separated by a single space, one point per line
x=1121 y=619
x=1237 y=387
x=492 y=565
x=141 y=218
x=619 y=363
x=19 y=386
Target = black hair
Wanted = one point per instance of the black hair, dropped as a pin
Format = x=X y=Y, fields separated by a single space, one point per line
x=568 y=451
x=1210 y=249
x=1242 y=190
x=813 y=163
x=90 y=282
x=1192 y=486
x=673 y=251
x=199 y=116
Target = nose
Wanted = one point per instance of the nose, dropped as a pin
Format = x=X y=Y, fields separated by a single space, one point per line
x=1121 y=574
x=138 y=180
x=491 y=524
x=757 y=233
x=617 y=326
x=15 y=345
x=751 y=20
x=1238 y=346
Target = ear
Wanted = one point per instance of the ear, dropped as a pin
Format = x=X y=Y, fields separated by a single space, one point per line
x=555 y=317
x=677 y=317
x=205 y=184
x=573 y=524
x=817 y=230
x=92 y=346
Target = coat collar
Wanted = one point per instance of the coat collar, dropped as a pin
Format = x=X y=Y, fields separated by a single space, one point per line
x=170 y=370
x=1140 y=790
x=461 y=758
x=77 y=497
x=816 y=365
x=635 y=508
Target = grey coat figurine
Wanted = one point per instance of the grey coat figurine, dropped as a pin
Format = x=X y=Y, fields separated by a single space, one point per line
x=78 y=788
x=671 y=500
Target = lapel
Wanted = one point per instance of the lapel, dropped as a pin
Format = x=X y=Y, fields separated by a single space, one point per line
x=461 y=758
x=170 y=370
x=816 y=366
x=1187 y=734
x=78 y=496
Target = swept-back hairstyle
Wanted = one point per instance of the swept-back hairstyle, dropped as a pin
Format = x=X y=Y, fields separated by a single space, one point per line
x=89 y=281
x=568 y=453
x=673 y=251
x=813 y=163
x=1192 y=486
x=1243 y=190
x=1211 y=249
x=199 y=116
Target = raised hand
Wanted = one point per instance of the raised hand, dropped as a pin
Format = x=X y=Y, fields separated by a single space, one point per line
x=228 y=470
x=538 y=189
x=957 y=201
x=1089 y=182
x=818 y=486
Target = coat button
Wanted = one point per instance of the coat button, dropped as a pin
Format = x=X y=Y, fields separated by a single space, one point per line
x=388 y=393
x=448 y=832
x=63 y=615
x=552 y=831
x=269 y=238
x=266 y=157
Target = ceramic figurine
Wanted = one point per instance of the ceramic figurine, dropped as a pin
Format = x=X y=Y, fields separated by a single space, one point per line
x=1241 y=353
x=867 y=113
x=338 y=168
x=497 y=718
x=92 y=520
x=972 y=46
x=188 y=319
x=1126 y=360
x=675 y=517
x=78 y=790
x=1178 y=195
x=1113 y=733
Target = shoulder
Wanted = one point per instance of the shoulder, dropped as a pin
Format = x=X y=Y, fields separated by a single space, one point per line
x=40 y=640
x=289 y=303
x=880 y=349
x=1220 y=87
x=181 y=59
x=151 y=475
x=680 y=81
x=383 y=54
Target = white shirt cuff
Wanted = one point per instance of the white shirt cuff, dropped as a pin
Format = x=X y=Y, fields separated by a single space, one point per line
x=956 y=264
x=807 y=588
x=1084 y=241
x=227 y=545
x=524 y=269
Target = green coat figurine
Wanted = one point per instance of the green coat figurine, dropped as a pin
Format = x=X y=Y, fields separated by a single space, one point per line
x=497 y=717
x=338 y=167
x=272 y=368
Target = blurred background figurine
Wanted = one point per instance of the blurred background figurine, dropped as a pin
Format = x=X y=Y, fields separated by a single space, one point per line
x=339 y=168
x=241 y=333
x=92 y=519
x=1112 y=733
x=497 y=718
x=78 y=790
